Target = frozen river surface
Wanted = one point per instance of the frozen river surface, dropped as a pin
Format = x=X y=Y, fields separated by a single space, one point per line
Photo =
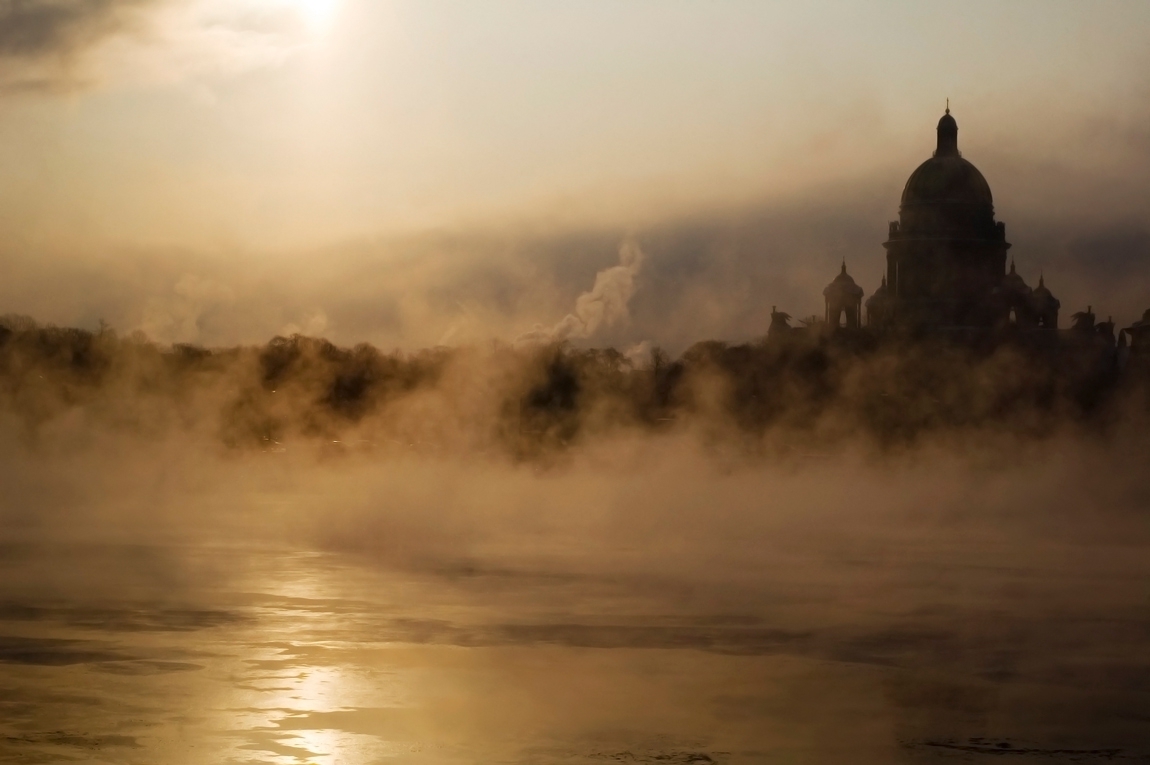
x=313 y=657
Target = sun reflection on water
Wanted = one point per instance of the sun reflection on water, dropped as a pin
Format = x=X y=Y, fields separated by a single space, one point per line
x=301 y=696
x=308 y=695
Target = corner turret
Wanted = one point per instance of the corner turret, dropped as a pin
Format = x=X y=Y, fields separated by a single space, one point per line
x=843 y=296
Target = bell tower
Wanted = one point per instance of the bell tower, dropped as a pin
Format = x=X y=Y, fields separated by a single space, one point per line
x=844 y=301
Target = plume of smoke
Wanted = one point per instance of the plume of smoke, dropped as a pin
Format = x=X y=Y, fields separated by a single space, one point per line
x=639 y=352
x=177 y=318
x=605 y=305
x=314 y=324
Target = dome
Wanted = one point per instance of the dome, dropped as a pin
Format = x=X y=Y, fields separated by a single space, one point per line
x=880 y=296
x=843 y=287
x=947 y=177
x=1012 y=283
x=1043 y=299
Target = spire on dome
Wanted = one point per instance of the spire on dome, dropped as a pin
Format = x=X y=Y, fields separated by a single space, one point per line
x=947 y=135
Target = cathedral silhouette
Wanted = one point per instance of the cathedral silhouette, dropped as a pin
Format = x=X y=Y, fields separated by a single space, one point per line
x=947 y=276
x=945 y=258
x=946 y=254
x=947 y=273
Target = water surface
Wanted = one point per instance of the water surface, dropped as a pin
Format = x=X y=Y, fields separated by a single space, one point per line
x=303 y=656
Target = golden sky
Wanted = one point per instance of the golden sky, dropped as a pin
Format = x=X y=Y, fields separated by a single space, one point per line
x=264 y=147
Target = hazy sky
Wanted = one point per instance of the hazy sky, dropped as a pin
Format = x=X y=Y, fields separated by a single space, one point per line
x=221 y=170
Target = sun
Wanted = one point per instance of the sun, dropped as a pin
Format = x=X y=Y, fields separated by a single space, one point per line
x=317 y=15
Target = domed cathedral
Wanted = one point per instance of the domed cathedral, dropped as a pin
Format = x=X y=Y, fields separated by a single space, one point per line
x=947 y=273
x=946 y=255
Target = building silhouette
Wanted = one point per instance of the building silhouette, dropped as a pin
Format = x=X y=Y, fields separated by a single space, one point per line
x=948 y=276
x=946 y=254
x=1044 y=305
x=947 y=270
x=844 y=301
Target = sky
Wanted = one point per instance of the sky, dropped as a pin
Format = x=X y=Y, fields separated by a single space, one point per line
x=411 y=173
x=626 y=173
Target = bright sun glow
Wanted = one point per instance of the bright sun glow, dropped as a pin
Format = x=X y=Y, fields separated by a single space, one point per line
x=317 y=14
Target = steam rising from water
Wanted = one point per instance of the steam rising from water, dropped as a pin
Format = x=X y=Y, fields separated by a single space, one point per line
x=931 y=535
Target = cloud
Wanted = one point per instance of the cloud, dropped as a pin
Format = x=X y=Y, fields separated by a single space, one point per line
x=35 y=28
x=62 y=45
x=196 y=39
x=43 y=41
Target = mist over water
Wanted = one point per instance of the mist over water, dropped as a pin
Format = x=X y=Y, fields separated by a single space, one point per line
x=305 y=553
